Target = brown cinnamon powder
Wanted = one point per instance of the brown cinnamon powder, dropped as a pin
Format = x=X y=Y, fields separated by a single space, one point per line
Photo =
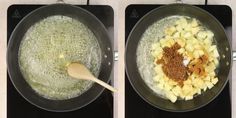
x=172 y=64
x=197 y=66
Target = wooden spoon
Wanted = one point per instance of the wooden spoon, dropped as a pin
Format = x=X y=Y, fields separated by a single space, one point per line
x=79 y=71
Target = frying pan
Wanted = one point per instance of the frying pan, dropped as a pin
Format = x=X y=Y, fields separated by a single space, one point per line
x=24 y=88
x=221 y=41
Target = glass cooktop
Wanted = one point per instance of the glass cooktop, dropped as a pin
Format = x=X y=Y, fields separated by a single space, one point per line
x=18 y=107
x=136 y=107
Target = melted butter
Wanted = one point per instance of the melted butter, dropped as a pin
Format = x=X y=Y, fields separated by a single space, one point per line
x=48 y=47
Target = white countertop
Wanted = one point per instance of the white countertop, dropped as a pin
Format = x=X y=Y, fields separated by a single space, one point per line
x=119 y=35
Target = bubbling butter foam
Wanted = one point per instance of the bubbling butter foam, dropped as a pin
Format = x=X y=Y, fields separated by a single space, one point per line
x=48 y=46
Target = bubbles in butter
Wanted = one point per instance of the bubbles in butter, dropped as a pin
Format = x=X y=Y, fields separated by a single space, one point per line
x=51 y=44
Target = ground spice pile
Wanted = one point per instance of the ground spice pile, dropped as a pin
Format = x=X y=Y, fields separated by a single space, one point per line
x=197 y=66
x=172 y=64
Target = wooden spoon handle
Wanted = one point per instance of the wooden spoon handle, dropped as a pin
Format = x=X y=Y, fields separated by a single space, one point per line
x=105 y=85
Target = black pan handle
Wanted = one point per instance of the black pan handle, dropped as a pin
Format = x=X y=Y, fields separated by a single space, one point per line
x=88 y=2
x=206 y=2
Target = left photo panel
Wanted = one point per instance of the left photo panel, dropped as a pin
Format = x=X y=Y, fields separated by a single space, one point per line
x=60 y=58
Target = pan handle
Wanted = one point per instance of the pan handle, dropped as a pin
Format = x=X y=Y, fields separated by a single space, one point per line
x=234 y=55
x=116 y=55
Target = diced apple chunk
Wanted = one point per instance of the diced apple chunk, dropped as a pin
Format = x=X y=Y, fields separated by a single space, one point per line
x=171 y=96
x=214 y=80
x=209 y=84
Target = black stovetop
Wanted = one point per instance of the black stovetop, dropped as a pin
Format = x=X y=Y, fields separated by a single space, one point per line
x=136 y=107
x=18 y=107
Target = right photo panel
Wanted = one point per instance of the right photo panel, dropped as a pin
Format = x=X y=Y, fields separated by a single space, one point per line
x=178 y=59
